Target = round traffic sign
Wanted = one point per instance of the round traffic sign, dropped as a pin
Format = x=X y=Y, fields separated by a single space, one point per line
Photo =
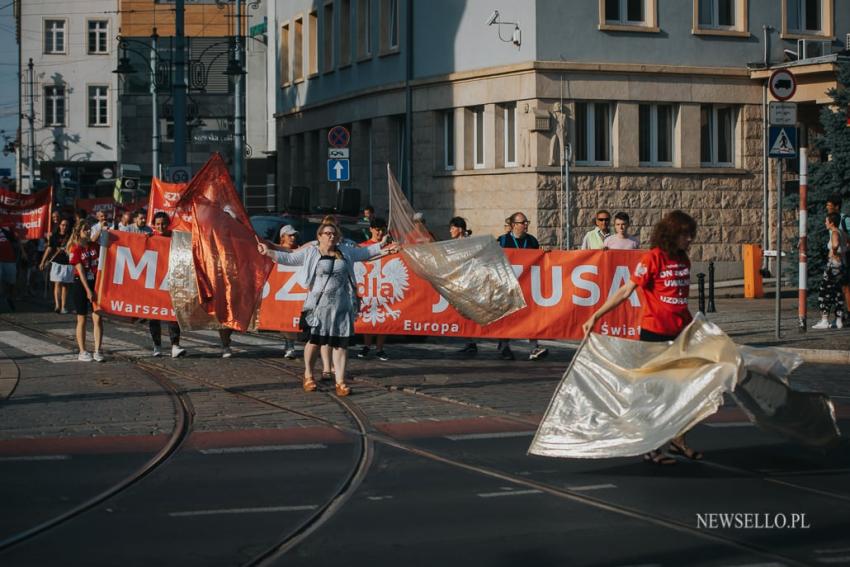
x=782 y=84
x=107 y=173
x=129 y=183
x=338 y=137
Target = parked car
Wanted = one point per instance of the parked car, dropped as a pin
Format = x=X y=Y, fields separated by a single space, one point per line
x=268 y=226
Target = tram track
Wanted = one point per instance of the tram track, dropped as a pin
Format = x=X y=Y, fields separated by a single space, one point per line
x=369 y=435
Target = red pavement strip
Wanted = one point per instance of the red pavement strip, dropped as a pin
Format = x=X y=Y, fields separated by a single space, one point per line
x=293 y=436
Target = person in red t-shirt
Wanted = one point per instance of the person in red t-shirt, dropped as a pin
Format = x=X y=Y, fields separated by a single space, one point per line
x=10 y=247
x=84 y=254
x=664 y=277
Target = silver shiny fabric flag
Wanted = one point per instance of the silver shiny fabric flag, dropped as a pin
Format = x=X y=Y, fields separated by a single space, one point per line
x=473 y=274
x=622 y=398
x=183 y=286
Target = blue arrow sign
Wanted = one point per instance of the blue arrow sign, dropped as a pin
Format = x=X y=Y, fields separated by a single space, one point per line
x=782 y=142
x=338 y=170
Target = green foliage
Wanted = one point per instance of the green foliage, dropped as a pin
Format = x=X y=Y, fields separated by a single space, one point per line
x=829 y=176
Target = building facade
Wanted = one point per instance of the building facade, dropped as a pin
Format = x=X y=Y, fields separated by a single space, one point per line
x=660 y=105
x=69 y=91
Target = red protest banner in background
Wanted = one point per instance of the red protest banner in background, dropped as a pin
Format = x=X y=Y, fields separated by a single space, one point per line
x=132 y=277
x=27 y=215
x=91 y=206
x=164 y=198
x=562 y=290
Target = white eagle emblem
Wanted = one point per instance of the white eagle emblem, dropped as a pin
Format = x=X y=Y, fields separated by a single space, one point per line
x=381 y=285
x=641 y=269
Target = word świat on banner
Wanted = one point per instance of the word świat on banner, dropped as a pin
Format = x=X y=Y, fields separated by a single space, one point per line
x=561 y=289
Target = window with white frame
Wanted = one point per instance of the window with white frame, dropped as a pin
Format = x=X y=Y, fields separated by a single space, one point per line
x=449 y=139
x=389 y=25
x=98 y=36
x=625 y=12
x=313 y=43
x=510 y=134
x=54 y=106
x=717 y=135
x=54 y=36
x=284 y=54
x=98 y=105
x=593 y=133
x=298 y=50
x=716 y=13
x=478 y=139
x=804 y=16
x=655 y=127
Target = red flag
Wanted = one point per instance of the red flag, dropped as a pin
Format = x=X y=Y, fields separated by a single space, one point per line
x=213 y=182
x=27 y=215
x=164 y=198
x=230 y=271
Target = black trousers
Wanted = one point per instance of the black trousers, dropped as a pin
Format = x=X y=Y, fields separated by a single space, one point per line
x=651 y=337
x=155 y=327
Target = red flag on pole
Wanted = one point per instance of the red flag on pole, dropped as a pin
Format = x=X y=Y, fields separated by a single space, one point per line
x=213 y=182
x=231 y=272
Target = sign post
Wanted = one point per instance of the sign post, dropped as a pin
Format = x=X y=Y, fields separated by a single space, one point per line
x=338 y=170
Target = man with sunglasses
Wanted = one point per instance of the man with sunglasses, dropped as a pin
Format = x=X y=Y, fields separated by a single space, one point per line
x=595 y=239
x=518 y=237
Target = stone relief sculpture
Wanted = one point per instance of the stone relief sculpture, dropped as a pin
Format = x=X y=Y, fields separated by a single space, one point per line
x=560 y=131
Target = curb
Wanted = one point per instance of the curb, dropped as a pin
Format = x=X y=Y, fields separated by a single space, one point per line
x=821 y=356
x=9 y=375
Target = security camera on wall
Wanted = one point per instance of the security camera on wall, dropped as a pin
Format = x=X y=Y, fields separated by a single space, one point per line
x=493 y=17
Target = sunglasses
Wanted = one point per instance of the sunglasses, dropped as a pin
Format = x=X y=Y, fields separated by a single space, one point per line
x=520 y=222
x=328 y=234
x=606 y=219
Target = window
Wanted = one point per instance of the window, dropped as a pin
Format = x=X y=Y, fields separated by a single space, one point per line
x=284 y=54
x=54 y=36
x=99 y=105
x=364 y=28
x=344 y=32
x=478 y=136
x=717 y=135
x=298 y=51
x=593 y=133
x=449 y=139
x=804 y=16
x=510 y=134
x=54 y=106
x=624 y=12
x=716 y=13
x=98 y=36
x=389 y=25
x=656 y=134
x=312 y=55
x=328 y=38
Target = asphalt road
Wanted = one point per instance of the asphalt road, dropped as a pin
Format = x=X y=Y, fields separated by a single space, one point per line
x=425 y=464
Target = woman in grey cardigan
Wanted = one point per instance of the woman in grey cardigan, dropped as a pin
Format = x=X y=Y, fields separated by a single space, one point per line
x=331 y=305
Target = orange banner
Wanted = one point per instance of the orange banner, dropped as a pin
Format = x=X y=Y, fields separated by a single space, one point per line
x=562 y=289
x=164 y=198
x=27 y=215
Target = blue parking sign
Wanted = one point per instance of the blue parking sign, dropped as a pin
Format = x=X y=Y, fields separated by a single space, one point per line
x=338 y=170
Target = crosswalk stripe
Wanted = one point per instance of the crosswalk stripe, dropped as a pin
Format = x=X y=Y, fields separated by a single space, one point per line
x=36 y=347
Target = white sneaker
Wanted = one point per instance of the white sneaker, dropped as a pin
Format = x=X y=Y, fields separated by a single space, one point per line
x=98 y=357
x=84 y=356
x=156 y=351
x=823 y=324
x=289 y=354
x=177 y=350
x=226 y=352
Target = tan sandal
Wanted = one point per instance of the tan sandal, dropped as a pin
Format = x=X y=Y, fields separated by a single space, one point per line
x=342 y=390
x=309 y=385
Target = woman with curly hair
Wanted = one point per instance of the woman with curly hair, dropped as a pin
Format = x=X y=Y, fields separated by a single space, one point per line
x=664 y=277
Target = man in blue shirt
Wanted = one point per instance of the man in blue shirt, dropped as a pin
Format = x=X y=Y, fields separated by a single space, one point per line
x=518 y=237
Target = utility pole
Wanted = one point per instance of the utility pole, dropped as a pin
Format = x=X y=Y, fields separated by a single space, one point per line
x=407 y=144
x=31 y=119
x=238 y=136
x=179 y=88
x=154 y=106
x=803 y=284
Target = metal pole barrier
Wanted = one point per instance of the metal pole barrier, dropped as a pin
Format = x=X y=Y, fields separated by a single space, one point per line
x=711 y=307
x=154 y=107
x=32 y=129
x=178 y=89
x=778 y=249
x=568 y=155
x=701 y=285
x=802 y=285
